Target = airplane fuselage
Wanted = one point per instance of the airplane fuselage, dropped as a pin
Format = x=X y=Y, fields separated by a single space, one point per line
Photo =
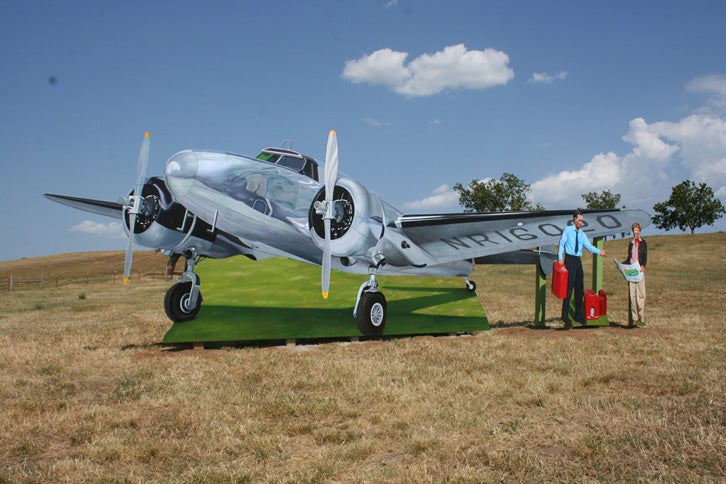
x=267 y=206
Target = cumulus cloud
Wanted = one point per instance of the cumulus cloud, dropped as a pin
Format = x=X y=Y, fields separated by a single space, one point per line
x=443 y=199
x=544 y=78
x=600 y=173
x=455 y=67
x=111 y=230
x=715 y=85
x=663 y=154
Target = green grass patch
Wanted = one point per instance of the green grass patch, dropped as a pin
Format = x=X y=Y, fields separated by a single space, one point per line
x=280 y=299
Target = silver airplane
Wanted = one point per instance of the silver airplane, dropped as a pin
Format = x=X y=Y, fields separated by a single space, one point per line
x=216 y=204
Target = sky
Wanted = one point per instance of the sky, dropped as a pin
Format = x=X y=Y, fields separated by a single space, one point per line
x=569 y=96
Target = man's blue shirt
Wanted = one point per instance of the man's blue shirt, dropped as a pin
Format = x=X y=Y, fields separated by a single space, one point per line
x=567 y=243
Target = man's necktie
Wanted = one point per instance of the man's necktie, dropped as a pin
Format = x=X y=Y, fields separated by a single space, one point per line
x=577 y=241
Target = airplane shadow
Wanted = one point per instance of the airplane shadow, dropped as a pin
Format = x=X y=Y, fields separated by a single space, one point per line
x=439 y=310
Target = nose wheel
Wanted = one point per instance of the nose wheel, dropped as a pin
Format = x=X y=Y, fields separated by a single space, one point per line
x=370 y=307
x=178 y=302
x=183 y=300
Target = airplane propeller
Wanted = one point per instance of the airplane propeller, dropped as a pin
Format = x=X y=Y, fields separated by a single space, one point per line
x=331 y=176
x=133 y=202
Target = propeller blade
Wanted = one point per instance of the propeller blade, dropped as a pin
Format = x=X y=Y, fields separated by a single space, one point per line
x=331 y=164
x=331 y=176
x=135 y=202
x=326 y=260
x=129 y=250
x=141 y=164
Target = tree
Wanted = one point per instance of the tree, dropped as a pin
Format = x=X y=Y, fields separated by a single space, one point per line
x=509 y=193
x=690 y=206
x=601 y=200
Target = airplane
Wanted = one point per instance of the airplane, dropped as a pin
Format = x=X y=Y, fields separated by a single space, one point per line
x=218 y=204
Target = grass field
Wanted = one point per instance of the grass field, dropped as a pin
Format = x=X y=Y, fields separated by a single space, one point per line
x=89 y=394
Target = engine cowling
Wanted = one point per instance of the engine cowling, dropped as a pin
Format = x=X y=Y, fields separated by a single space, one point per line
x=357 y=222
x=165 y=224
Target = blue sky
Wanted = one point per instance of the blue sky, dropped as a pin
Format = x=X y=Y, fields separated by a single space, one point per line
x=571 y=96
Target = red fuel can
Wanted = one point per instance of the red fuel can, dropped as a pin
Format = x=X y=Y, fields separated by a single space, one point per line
x=592 y=305
x=603 y=302
x=559 y=280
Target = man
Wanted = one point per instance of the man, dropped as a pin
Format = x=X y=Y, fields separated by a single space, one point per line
x=570 y=252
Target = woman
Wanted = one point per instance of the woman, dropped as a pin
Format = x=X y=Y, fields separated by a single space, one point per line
x=637 y=252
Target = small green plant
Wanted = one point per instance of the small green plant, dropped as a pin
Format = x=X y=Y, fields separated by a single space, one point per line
x=82 y=296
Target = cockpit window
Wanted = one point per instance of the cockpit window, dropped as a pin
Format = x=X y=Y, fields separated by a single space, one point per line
x=266 y=156
x=291 y=162
x=294 y=161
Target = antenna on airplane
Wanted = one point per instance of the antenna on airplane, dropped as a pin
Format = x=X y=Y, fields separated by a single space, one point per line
x=133 y=202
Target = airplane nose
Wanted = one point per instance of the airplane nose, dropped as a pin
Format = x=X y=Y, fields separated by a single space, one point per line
x=182 y=165
x=180 y=171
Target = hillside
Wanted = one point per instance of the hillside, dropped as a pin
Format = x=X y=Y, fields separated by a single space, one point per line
x=89 y=394
x=78 y=266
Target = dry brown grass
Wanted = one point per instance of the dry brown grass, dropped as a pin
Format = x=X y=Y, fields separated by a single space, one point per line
x=88 y=394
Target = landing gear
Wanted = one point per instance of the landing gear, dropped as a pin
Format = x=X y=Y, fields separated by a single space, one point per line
x=178 y=302
x=470 y=286
x=371 y=313
x=370 y=307
x=183 y=300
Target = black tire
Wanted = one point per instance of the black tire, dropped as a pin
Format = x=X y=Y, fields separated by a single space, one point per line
x=175 y=302
x=471 y=286
x=371 y=315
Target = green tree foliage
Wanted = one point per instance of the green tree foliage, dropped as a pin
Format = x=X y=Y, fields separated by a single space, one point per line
x=509 y=193
x=690 y=206
x=601 y=200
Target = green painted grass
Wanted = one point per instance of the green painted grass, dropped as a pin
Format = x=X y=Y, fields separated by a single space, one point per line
x=280 y=299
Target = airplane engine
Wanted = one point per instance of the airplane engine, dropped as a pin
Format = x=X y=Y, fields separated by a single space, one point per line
x=357 y=225
x=164 y=224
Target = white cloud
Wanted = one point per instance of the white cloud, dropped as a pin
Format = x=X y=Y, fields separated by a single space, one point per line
x=663 y=154
x=702 y=142
x=111 y=230
x=566 y=187
x=715 y=84
x=544 y=78
x=443 y=199
x=455 y=67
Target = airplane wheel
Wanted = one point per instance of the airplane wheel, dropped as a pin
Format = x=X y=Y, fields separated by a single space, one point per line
x=176 y=302
x=371 y=317
x=471 y=286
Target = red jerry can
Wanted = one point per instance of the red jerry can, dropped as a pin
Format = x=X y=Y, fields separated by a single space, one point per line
x=592 y=305
x=559 y=280
x=603 y=302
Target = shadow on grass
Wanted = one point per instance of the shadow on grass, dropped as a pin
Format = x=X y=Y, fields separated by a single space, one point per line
x=438 y=311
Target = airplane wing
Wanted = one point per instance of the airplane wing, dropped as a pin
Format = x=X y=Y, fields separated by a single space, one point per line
x=530 y=257
x=109 y=209
x=460 y=236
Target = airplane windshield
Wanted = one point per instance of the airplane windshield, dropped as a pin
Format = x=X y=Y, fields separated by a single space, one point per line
x=293 y=163
x=299 y=163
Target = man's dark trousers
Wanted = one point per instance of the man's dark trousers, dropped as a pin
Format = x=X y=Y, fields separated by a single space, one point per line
x=575 y=279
